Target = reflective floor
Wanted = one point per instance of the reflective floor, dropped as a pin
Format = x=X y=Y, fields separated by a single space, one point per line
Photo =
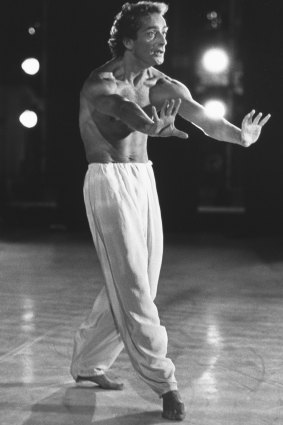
x=220 y=298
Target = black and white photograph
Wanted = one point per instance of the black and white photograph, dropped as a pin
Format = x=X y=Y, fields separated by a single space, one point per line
x=141 y=212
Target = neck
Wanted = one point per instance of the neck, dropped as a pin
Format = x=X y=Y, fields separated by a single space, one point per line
x=134 y=68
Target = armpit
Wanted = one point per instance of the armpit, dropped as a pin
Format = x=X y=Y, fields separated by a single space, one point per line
x=106 y=75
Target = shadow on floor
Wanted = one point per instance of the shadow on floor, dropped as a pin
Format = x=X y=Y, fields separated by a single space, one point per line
x=77 y=406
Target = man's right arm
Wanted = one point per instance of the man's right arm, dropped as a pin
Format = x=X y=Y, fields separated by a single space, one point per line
x=101 y=92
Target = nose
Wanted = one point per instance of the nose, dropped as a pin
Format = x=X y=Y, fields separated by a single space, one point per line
x=162 y=39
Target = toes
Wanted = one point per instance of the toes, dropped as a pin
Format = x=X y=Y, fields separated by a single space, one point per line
x=178 y=414
x=110 y=385
x=168 y=414
x=118 y=387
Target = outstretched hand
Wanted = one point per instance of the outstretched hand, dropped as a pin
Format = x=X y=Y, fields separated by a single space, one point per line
x=251 y=128
x=164 y=125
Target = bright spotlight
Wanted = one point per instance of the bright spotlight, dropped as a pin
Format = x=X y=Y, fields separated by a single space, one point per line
x=31 y=66
x=31 y=30
x=215 y=60
x=215 y=108
x=28 y=119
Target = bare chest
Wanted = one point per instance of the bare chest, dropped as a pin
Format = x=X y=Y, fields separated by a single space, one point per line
x=140 y=95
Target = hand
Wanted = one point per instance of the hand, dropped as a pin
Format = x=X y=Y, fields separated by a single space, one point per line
x=164 y=124
x=251 y=129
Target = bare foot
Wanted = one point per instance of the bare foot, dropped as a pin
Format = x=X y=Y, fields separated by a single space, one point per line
x=102 y=381
x=173 y=407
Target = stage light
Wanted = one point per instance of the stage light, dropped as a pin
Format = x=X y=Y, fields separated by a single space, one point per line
x=215 y=60
x=215 y=108
x=28 y=119
x=214 y=19
x=31 y=30
x=31 y=66
x=212 y=15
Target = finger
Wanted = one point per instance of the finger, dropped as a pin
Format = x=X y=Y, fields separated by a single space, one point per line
x=264 y=120
x=250 y=116
x=171 y=104
x=257 y=118
x=177 y=106
x=155 y=116
x=164 y=109
x=247 y=117
x=180 y=134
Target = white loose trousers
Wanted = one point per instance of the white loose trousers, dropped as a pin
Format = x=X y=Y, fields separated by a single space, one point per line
x=124 y=216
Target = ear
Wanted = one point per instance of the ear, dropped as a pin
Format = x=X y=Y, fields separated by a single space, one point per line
x=128 y=43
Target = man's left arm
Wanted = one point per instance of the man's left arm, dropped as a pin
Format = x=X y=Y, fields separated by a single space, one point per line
x=219 y=129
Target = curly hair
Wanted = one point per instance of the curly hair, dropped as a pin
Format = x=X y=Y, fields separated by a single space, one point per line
x=128 y=22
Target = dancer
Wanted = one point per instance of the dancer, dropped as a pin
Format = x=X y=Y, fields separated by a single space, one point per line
x=122 y=103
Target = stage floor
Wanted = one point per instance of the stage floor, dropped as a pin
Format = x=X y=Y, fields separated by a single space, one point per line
x=220 y=298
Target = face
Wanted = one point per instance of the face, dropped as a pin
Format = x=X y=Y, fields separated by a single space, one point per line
x=149 y=46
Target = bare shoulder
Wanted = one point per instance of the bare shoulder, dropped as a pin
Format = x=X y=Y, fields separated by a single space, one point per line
x=100 y=82
x=160 y=76
x=167 y=87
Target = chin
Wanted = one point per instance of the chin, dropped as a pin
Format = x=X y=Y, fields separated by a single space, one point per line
x=158 y=61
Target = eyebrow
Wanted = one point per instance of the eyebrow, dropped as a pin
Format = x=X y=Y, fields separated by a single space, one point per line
x=156 y=28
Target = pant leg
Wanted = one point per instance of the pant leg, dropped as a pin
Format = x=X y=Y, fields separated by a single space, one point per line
x=97 y=343
x=154 y=234
x=119 y=201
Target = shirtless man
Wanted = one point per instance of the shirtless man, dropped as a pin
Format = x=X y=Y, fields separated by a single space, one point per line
x=122 y=103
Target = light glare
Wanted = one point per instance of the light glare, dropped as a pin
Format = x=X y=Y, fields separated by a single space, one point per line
x=212 y=15
x=215 y=108
x=31 y=66
x=28 y=119
x=31 y=30
x=215 y=60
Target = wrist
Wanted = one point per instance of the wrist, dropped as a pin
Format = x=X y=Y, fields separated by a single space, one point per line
x=243 y=142
x=150 y=130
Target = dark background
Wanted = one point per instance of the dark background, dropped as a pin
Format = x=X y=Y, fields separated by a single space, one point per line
x=42 y=169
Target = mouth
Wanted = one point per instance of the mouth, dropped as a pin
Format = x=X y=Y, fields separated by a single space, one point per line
x=158 y=52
